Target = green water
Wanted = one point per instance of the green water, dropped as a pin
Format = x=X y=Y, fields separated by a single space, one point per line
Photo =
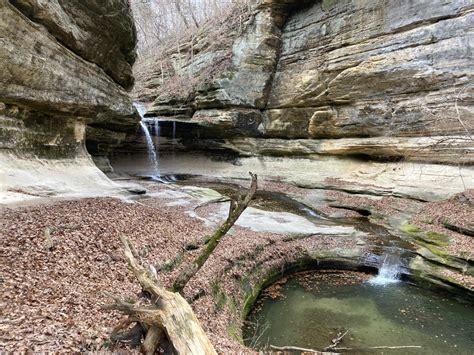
x=392 y=315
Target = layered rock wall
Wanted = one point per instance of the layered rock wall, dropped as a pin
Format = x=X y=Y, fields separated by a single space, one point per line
x=362 y=69
x=345 y=69
x=65 y=67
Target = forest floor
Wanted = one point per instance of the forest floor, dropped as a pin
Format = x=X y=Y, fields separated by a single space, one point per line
x=58 y=259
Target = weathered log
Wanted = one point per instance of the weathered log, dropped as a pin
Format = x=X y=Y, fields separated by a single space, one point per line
x=168 y=313
x=153 y=338
x=304 y=350
x=235 y=210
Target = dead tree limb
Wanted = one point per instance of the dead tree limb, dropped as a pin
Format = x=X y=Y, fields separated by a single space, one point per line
x=337 y=340
x=382 y=347
x=304 y=350
x=121 y=333
x=235 y=210
x=210 y=202
x=168 y=313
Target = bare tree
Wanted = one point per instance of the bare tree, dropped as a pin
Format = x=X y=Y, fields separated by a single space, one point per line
x=171 y=36
x=159 y=21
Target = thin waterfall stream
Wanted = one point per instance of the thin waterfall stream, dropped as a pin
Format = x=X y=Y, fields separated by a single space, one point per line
x=390 y=269
x=151 y=149
x=174 y=132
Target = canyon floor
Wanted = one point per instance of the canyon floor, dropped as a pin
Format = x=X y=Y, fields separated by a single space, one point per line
x=59 y=258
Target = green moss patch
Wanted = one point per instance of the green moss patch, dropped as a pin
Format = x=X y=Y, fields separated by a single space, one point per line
x=409 y=228
x=437 y=238
x=220 y=298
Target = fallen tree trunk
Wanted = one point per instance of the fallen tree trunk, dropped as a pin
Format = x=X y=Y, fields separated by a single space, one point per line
x=302 y=350
x=168 y=313
x=382 y=347
x=305 y=350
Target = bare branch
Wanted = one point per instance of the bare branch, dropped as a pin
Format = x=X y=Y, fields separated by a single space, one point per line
x=296 y=348
x=235 y=210
x=337 y=340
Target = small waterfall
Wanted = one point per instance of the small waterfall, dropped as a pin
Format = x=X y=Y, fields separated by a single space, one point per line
x=152 y=155
x=389 y=271
x=174 y=132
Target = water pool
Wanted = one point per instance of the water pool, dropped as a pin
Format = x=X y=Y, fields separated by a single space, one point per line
x=312 y=309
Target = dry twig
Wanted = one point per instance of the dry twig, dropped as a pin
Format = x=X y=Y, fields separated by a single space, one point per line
x=337 y=340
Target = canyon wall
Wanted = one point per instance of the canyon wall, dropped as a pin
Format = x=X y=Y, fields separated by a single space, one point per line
x=384 y=80
x=66 y=66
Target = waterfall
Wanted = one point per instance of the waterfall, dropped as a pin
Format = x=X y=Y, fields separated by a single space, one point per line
x=152 y=155
x=174 y=132
x=389 y=271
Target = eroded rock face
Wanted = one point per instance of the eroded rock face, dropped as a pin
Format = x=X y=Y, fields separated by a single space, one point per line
x=63 y=70
x=435 y=149
x=101 y=32
x=381 y=68
x=345 y=69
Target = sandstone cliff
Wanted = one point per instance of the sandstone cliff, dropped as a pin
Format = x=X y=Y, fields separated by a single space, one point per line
x=65 y=67
x=385 y=79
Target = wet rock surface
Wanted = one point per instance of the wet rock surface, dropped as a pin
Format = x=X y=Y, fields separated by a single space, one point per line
x=442 y=257
x=164 y=226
